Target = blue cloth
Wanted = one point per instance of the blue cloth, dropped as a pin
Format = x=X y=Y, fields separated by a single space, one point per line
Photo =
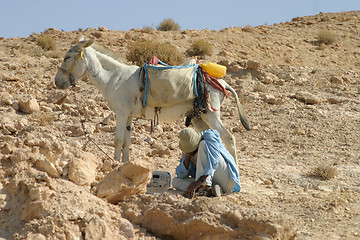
x=214 y=151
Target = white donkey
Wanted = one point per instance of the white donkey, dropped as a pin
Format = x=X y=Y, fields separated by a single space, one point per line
x=123 y=88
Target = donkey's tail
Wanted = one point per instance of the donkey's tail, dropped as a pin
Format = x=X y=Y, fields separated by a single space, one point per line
x=241 y=111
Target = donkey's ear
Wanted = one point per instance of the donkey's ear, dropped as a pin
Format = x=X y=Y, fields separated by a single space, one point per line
x=85 y=43
x=89 y=42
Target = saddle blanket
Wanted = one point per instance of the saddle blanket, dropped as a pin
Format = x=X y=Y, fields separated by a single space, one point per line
x=169 y=85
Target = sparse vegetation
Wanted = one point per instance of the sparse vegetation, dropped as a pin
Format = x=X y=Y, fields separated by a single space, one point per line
x=325 y=36
x=168 y=24
x=46 y=42
x=44 y=118
x=324 y=172
x=143 y=50
x=200 y=47
x=148 y=29
x=54 y=54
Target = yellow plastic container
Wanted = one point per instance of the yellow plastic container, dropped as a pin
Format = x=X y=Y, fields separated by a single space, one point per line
x=213 y=69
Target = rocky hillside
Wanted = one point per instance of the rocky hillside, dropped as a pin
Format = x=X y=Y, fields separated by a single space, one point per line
x=299 y=165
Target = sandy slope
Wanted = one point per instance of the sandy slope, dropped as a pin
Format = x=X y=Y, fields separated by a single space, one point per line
x=303 y=103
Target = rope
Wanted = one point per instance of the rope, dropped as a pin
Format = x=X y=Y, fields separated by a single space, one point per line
x=86 y=134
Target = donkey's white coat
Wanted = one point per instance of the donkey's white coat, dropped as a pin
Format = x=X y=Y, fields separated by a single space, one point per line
x=123 y=89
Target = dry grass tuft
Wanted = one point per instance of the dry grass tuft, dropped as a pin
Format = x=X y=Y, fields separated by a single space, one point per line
x=200 y=47
x=44 y=118
x=54 y=54
x=46 y=42
x=148 y=29
x=324 y=172
x=168 y=24
x=143 y=50
x=325 y=36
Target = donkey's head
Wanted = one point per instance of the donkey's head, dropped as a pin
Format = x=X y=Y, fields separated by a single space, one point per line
x=73 y=66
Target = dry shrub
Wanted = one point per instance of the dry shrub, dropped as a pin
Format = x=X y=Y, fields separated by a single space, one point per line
x=168 y=24
x=325 y=36
x=54 y=54
x=324 y=172
x=200 y=47
x=148 y=29
x=46 y=42
x=143 y=50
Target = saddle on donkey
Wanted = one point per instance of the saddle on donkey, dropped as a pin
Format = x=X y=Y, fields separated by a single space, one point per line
x=169 y=85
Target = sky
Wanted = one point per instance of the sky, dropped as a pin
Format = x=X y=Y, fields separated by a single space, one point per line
x=21 y=18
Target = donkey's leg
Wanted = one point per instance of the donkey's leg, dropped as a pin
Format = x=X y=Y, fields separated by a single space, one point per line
x=213 y=120
x=199 y=124
x=127 y=140
x=119 y=134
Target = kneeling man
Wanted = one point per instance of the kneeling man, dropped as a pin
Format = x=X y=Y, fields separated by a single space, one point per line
x=208 y=162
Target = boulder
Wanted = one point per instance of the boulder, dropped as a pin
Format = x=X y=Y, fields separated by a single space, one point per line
x=129 y=179
x=82 y=170
x=175 y=217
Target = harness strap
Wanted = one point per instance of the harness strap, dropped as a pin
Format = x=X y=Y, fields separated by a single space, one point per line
x=71 y=77
x=215 y=83
x=77 y=59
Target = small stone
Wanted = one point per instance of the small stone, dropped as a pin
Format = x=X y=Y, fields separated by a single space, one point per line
x=107 y=166
x=96 y=229
x=32 y=210
x=336 y=100
x=20 y=155
x=253 y=65
x=307 y=98
x=269 y=98
x=29 y=106
x=107 y=128
x=15 y=106
x=336 y=80
x=39 y=193
x=5 y=131
x=260 y=87
x=7 y=149
x=75 y=131
x=47 y=167
x=57 y=97
x=106 y=120
x=103 y=29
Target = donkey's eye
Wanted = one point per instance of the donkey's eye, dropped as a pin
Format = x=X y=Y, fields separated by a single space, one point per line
x=66 y=58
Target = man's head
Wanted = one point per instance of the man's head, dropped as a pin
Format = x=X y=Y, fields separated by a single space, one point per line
x=189 y=140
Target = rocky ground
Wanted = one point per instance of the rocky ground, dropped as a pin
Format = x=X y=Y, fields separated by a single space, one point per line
x=299 y=165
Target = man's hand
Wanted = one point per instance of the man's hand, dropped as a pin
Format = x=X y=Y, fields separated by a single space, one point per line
x=193 y=187
x=187 y=159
